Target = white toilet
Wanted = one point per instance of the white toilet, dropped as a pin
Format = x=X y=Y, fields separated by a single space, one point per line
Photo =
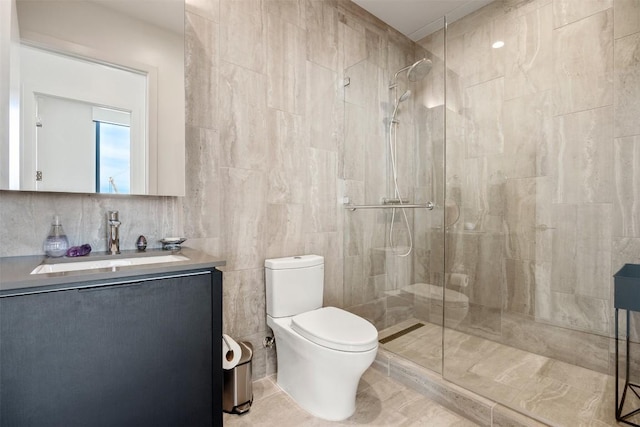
x=322 y=352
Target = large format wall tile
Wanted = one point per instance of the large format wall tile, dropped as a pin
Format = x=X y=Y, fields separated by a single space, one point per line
x=567 y=11
x=627 y=85
x=324 y=108
x=201 y=71
x=243 y=31
x=583 y=64
x=483 y=106
x=202 y=212
x=626 y=14
x=583 y=156
x=244 y=217
x=528 y=129
x=321 y=205
x=243 y=117
x=286 y=158
x=528 y=53
x=626 y=211
x=286 y=51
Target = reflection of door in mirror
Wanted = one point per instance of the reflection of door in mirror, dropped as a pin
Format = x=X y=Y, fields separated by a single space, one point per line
x=81 y=147
x=71 y=114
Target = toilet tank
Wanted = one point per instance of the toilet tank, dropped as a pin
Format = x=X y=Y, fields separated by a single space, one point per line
x=294 y=285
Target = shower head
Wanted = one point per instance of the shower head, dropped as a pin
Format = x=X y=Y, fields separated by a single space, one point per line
x=416 y=71
x=419 y=70
x=404 y=96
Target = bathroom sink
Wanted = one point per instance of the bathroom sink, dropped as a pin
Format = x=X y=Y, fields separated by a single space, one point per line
x=105 y=263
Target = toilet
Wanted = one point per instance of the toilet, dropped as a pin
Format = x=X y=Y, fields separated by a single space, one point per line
x=322 y=351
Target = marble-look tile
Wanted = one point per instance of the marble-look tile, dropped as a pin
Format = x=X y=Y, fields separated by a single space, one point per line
x=580 y=82
x=201 y=71
x=244 y=217
x=502 y=416
x=287 y=158
x=520 y=296
x=520 y=218
x=329 y=245
x=449 y=395
x=528 y=53
x=284 y=233
x=567 y=11
x=593 y=250
x=583 y=153
x=286 y=68
x=324 y=110
x=564 y=243
x=320 y=207
x=580 y=312
x=483 y=105
x=353 y=41
x=322 y=33
x=209 y=9
x=243 y=117
x=556 y=342
x=627 y=85
x=626 y=15
x=244 y=312
x=626 y=211
x=291 y=11
x=202 y=199
x=482 y=62
x=356 y=137
x=528 y=130
x=243 y=34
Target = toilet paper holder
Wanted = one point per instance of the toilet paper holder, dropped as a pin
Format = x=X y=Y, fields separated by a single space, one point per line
x=237 y=395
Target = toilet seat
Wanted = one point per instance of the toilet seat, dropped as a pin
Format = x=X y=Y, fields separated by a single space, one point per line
x=336 y=329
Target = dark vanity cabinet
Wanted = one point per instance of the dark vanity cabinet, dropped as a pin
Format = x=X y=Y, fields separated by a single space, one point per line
x=143 y=351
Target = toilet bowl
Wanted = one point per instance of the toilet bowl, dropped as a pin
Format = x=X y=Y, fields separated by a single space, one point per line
x=322 y=351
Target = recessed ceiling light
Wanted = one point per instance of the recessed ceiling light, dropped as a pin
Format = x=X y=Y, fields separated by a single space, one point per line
x=498 y=44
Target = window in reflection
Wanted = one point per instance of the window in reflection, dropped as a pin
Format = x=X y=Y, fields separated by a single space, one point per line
x=113 y=160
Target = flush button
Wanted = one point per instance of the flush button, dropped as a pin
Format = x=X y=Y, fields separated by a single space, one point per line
x=297 y=257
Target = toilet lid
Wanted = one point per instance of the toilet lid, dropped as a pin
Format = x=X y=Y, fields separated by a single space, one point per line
x=336 y=329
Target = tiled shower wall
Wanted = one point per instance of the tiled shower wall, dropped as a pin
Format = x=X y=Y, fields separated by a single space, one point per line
x=543 y=158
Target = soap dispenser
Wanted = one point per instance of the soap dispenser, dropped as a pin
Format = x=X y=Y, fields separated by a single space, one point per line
x=56 y=243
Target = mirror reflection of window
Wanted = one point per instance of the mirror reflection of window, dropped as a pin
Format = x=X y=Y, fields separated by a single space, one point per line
x=113 y=151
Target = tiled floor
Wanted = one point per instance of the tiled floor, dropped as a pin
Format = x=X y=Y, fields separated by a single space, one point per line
x=549 y=390
x=380 y=401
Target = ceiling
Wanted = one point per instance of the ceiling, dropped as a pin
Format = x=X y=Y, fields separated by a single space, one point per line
x=419 y=18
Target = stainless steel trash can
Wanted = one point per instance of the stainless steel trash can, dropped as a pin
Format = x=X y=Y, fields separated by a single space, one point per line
x=237 y=395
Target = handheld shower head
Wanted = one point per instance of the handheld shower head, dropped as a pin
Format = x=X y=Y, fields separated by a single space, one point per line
x=406 y=95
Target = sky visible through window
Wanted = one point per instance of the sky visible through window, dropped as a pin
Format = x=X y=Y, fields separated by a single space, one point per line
x=114 y=159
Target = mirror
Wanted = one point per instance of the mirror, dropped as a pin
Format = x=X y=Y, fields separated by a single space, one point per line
x=95 y=96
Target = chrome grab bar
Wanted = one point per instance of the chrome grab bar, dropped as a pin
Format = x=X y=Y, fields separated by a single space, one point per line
x=428 y=205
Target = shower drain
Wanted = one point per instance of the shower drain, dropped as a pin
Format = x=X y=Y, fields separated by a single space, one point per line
x=400 y=333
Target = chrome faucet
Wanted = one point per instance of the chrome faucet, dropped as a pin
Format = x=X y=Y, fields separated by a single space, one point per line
x=113 y=226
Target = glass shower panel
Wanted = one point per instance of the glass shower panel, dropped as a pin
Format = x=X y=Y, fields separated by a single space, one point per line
x=394 y=149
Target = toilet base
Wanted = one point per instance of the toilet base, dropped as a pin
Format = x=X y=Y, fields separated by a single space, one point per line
x=322 y=381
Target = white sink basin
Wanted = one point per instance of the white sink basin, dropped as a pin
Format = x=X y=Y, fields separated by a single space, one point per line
x=105 y=263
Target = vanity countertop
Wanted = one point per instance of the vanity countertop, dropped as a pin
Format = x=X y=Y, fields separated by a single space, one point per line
x=16 y=277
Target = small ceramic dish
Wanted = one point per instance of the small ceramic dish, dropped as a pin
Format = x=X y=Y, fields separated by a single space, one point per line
x=172 y=243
